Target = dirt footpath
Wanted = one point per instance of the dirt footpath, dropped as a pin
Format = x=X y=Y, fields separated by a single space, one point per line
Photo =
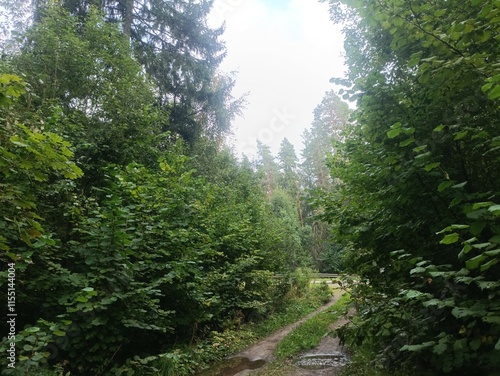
x=264 y=350
x=327 y=345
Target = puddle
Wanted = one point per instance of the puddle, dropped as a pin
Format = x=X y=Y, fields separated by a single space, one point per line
x=234 y=366
x=322 y=361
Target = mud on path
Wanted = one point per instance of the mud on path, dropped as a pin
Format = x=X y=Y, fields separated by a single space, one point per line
x=253 y=360
x=327 y=345
x=265 y=349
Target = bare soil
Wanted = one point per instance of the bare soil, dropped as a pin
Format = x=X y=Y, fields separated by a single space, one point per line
x=327 y=345
x=264 y=350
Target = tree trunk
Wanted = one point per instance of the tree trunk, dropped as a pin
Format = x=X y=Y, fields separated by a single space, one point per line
x=128 y=17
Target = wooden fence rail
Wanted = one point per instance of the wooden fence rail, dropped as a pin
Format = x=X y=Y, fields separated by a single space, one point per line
x=327 y=275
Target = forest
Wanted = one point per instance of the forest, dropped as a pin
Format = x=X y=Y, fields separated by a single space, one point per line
x=131 y=234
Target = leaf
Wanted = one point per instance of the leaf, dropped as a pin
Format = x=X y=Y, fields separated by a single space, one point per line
x=481 y=245
x=418 y=149
x=407 y=142
x=444 y=185
x=432 y=302
x=479 y=205
x=417 y=347
x=492 y=253
x=495 y=78
x=486 y=87
x=475 y=344
x=460 y=185
x=418 y=269
x=488 y=265
x=460 y=312
x=476 y=214
x=455 y=201
x=494 y=208
x=460 y=135
x=440 y=348
x=432 y=166
x=59 y=333
x=462 y=343
x=488 y=284
x=477 y=227
x=33 y=329
x=474 y=262
x=410 y=294
x=450 y=238
x=453 y=227
x=16 y=140
x=394 y=133
x=492 y=319
x=495 y=239
x=494 y=93
x=414 y=59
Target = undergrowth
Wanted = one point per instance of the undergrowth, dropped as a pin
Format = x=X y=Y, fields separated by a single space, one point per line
x=362 y=364
x=189 y=360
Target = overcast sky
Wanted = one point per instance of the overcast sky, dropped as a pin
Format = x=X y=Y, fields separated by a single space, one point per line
x=284 y=52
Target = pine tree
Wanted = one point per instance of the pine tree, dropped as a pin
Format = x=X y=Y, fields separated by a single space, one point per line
x=268 y=169
x=330 y=118
x=289 y=178
x=179 y=52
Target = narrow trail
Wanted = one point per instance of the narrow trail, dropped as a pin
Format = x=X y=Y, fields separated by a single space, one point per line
x=254 y=359
x=264 y=349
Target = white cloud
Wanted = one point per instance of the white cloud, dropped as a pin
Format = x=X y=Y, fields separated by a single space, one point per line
x=285 y=53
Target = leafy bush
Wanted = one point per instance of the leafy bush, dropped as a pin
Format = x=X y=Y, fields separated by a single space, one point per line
x=418 y=169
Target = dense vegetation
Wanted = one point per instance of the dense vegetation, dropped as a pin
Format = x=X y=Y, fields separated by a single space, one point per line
x=133 y=230
x=137 y=236
x=417 y=202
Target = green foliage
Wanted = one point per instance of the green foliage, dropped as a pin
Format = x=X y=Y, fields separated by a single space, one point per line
x=188 y=360
x=153 y=260
x=418 y=171
x=128 y=243
x=29 y=159
x=84 y=78
x=330 y=118
x=300 y=280
x=281 y=184
x=145 y=256
x=285 y=220
x=289 y=179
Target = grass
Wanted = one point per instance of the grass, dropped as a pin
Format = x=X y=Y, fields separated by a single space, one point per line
x=184 y=361
x=310 y=333
x=293 y=311
x=305 y=337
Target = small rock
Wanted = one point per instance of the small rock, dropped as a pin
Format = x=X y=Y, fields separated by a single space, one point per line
x=321 y=361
